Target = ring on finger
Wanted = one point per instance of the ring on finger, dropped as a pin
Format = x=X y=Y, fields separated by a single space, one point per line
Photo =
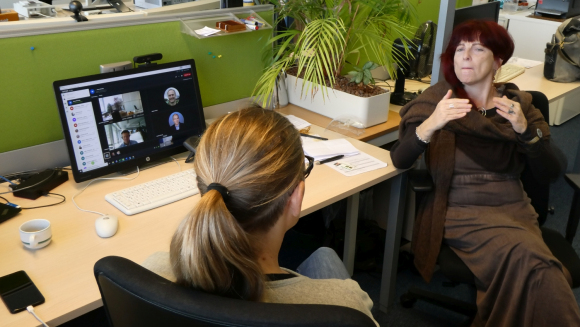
x=511 y=112
x=511 y=106
x=451 y=105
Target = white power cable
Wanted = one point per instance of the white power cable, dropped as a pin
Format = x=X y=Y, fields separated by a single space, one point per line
x=31 y=310
x=178 y=165
x=100 y=179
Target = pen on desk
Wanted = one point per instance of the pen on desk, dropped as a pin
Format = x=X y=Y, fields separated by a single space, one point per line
x=314 y=137
x=329 y=159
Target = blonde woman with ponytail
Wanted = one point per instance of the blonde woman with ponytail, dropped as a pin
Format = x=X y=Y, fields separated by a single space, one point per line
x=250 y=170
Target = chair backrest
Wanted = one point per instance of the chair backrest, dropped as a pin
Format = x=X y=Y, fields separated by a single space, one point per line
x=135 y=296
x=539 y=193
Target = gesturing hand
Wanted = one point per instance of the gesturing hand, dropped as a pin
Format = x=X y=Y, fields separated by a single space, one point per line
x=447 y=110
x=512 y=111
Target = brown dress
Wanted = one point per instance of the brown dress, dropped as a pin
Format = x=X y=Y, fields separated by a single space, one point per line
x=480 y=209
x=522 y=283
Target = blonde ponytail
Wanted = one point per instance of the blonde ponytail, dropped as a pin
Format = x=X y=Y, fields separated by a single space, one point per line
x=257 y=155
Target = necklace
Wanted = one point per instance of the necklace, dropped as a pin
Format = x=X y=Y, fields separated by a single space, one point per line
x=482 y=111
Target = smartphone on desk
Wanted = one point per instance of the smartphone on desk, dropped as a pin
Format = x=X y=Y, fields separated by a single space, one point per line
x=18 y=291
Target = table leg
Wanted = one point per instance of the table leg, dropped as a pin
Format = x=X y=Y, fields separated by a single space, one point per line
x=350 y=231
x=395 y=218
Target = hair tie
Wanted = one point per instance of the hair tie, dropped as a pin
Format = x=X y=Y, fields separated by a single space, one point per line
x=220 y=188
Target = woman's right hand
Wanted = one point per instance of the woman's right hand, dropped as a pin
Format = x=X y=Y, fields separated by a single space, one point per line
x=447 y=110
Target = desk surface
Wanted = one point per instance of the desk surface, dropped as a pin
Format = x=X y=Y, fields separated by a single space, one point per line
x=533 y=80
x=391 y=125
x=63 y=271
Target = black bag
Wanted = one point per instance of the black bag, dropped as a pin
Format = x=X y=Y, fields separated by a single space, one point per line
x=562 y=60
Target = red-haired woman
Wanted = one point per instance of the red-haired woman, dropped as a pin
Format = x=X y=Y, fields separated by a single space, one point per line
x=477 y=137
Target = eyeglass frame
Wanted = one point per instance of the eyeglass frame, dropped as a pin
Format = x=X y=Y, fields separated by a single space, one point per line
x=310 y=166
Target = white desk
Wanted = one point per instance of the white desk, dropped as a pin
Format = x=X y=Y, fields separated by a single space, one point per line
x=563 y=97
x=63 y=271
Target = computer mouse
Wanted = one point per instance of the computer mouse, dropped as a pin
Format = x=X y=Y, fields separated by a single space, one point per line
x=106 y=226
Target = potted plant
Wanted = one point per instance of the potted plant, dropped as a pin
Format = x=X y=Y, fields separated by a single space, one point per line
x=325 y=36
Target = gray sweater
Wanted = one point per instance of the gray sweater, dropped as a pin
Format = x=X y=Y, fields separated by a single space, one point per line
x=297 y=290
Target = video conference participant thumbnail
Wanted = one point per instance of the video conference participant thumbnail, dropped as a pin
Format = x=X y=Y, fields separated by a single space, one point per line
x=173 y=97
x=176 y=122
x=126 y=133
x=116 y=107
x=172 y=122
x=126 y=136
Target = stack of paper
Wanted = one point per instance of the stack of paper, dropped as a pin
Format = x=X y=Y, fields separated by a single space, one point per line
x=299 y=123
x=206 y=31
x=524 y=62
x=321 y=150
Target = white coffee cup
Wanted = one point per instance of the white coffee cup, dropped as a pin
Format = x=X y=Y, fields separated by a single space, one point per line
x=36 y=234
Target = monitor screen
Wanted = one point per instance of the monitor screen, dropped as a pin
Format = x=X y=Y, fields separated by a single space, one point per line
x=486 y=11
x=120 y=120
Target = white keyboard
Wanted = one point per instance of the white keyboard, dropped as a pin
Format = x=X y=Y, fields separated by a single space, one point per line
x=508 y=72
x=155 y=193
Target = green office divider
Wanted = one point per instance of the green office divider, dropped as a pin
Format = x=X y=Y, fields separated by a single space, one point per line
x=29 y=65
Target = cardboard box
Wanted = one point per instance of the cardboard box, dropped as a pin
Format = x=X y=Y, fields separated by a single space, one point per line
x=7 y=15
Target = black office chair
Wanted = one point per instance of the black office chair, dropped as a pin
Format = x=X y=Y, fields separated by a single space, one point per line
x=574 y=181
x=135 y=296
x=453 y=267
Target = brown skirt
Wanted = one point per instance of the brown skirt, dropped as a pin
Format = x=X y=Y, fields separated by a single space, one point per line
x=493 y=228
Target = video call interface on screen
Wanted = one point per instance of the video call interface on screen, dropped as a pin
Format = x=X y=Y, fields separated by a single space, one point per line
x=118 y=119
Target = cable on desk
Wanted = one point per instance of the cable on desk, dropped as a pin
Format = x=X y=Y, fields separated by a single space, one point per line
x=27 y=173
x=100 y=179
x=6 y=179
x=178 y=165
x=44 y=206
x=33 y=185
x=31 y=310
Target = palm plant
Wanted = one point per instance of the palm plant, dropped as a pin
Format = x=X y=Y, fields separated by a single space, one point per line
x=326 y=34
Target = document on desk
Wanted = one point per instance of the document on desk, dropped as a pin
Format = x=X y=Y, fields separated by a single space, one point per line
x=207 y=31
x=321 y=150
x=357 y=164
x=527 y=63
x=299 y=123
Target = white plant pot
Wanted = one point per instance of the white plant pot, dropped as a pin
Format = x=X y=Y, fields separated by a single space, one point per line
x=368 y=111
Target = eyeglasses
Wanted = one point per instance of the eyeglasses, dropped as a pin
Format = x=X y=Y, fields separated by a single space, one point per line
x=308 y=166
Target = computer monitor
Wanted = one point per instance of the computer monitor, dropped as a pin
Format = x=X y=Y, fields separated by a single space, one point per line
x=120 y=120
x=486 y=11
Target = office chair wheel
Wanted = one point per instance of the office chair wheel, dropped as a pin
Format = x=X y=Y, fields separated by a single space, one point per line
x=408 y=300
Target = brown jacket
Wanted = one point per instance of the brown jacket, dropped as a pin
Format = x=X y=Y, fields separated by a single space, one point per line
x=440 y=160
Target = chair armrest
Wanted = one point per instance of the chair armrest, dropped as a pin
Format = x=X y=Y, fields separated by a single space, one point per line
x=420 y=181
x=573 y=180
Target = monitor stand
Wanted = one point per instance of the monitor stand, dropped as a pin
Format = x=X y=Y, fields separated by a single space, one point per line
x=399 y=96
x=146 y=166
x=96 y=5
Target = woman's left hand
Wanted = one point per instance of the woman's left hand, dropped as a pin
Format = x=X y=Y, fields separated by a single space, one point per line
x=512 y=111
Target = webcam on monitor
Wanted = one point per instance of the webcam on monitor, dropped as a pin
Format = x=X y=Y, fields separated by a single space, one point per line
x=146 y=60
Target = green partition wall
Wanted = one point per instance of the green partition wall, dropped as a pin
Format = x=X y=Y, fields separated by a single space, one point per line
x=429 y=9
x=27 y=105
